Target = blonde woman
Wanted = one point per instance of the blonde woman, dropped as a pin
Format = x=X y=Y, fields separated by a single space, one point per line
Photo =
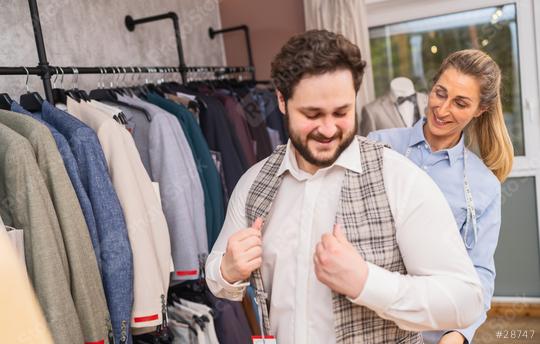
x=464 y=111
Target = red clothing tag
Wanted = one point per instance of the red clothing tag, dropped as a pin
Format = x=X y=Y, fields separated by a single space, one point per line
x=187 y=273
x=98 y=342
x=147 y=318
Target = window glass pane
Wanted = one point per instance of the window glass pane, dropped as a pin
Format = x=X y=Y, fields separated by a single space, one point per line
x=517 y=258
x=415 y=49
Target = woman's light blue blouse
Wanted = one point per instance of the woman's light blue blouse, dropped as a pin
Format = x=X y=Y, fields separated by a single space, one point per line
x=446 y=169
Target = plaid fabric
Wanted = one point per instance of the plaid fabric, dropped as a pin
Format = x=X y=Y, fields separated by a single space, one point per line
x=258 y=204
x=366 y=217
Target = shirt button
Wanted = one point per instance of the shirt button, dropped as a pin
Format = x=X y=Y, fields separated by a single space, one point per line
x=426 y=145
x=425 y=167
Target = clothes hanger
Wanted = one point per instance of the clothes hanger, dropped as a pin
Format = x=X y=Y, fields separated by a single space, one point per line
x=59 y=94
x=129 y=89
x=72 y=93
x=119 y=88
x=81 y=93
x=75 y=93
x=31 y=101
x=111 y=95
x=136 y=88
x=102 y=93
x=163 y=85
x=5 y=101
x=145 y=89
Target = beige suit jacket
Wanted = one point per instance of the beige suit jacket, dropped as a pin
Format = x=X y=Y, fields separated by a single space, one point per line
x=147 y=229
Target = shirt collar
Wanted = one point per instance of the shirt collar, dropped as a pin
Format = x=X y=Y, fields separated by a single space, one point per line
x=348 y=159
x=417 y=136
x=456 y=152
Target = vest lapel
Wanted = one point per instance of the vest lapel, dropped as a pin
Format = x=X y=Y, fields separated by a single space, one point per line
x=259 y=202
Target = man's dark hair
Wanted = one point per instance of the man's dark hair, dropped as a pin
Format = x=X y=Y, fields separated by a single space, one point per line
x=315 y=52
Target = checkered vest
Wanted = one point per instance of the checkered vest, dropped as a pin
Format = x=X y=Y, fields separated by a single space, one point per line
x=367 y=220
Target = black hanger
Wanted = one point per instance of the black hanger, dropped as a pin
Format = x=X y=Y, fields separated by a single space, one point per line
x=73 y=93
x=102 y=93
x=31 y=101
x=5 y=101
x=59 y=94
x=83 y=95
x=155 y=89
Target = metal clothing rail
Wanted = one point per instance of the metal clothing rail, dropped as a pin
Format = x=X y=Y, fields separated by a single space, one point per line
x=44 y=70
x=122 y=70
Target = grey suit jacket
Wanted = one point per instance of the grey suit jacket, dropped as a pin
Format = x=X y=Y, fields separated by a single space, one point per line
x=25 y=203
x=382 y=113
x=86 y=287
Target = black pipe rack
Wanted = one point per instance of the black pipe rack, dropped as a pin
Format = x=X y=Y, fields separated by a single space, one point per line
x=213 y=32
x=45 y=71
x=132 y=23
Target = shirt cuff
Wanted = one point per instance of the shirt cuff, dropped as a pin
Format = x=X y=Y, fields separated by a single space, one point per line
x=380 y=289
x=236 y=289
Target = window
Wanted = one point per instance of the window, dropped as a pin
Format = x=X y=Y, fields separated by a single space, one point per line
x=415 y=49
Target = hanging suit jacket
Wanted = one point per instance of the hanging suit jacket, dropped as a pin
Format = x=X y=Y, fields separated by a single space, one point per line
x=382 y=113
x=169 y=161
x=26 y=204
x=72 y=170
x=116 y=257
x=147 y=228
x=208 y=173
x=85 y=279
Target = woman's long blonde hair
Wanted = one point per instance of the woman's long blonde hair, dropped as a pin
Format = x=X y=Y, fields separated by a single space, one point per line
x=487 y=132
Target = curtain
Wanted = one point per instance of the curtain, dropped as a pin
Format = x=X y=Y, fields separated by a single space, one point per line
x=347 y=17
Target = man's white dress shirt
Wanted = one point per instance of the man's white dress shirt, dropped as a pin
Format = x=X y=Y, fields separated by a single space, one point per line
x=441 y=289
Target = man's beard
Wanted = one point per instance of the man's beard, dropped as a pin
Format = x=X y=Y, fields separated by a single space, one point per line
x=305 y=152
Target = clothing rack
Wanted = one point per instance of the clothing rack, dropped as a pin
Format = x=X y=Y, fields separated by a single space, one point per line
x=45 y=71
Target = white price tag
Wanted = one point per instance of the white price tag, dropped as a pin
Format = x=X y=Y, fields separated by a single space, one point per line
x=264 y=340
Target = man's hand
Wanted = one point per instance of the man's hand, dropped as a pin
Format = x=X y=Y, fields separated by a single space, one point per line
x=338 y=265
x=453 y=337
x=244 y=253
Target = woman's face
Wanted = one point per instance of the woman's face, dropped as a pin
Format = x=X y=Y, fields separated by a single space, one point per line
x=453 y=102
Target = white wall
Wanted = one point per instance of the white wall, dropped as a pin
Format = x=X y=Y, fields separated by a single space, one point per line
x=92 y=33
